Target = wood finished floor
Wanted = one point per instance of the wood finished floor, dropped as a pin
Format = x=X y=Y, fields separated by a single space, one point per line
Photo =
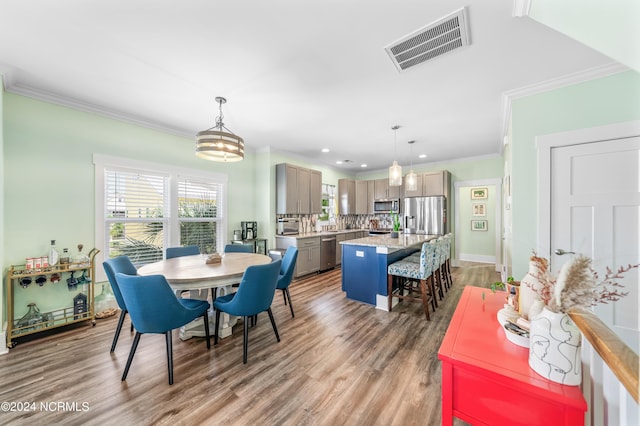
x=339 y=362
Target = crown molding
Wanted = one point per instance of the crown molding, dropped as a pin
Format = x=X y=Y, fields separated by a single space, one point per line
x=544 y=86
x=521 y=8
x=43 y=95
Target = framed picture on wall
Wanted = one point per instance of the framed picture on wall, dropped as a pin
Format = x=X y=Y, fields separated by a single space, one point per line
x=478 y=225
x=479 y=209
x=479 y=193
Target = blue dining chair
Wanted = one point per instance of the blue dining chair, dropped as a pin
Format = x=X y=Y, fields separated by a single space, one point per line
x=123 y=265
x=286 y=275
x=155 y=309
x=238 y=248
x=254 y=295
x=182 y=251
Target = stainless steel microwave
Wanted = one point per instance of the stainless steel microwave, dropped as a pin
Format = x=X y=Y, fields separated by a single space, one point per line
x=387 y=206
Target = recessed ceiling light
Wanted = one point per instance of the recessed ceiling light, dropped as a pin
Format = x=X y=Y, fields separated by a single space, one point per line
x=338 y=162
x=363 y=165
x=325 y=149
x=422 y=156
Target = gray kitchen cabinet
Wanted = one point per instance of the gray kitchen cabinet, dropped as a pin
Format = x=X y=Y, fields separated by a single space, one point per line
x=383 y=191
x=362 y=197
x=298 y=190
x=431 y=183
x=315 y=192
x=371 y=196
x=435 y=183
x=347 y=196
x=308 y=253
x=339 y=237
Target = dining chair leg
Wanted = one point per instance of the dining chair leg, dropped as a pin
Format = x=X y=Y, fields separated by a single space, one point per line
x=132 y=352
x=273 y=324
x=286 y=291
x=215 y=332
x=123 y=314
x=205 y=318
x=214 y=294
x=284 y=297
x=389 y=291
x=246 y=340
x=169 y=340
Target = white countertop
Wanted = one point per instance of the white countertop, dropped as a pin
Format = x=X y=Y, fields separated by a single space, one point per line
x=403 y=241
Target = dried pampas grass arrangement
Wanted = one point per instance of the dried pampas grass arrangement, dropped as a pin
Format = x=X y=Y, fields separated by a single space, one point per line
x=577 y=284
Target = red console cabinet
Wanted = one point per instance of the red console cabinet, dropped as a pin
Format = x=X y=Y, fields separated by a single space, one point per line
x=486 y=379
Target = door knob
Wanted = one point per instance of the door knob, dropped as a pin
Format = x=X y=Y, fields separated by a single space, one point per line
x=560 y=252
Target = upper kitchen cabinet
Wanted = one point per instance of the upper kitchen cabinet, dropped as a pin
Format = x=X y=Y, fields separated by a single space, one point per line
x=365 y=195
x=347 y=196
x=436 y=183
x=431 y=183
x=383 y=191
x=315 y=192
x=298 y=190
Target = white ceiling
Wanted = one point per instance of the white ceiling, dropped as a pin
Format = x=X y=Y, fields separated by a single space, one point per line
x=298 y=75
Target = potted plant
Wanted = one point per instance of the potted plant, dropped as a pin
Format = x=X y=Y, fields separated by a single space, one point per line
x=513 y=292
x=396 y=225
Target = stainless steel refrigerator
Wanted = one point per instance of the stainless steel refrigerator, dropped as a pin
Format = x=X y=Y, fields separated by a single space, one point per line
x=425 y=215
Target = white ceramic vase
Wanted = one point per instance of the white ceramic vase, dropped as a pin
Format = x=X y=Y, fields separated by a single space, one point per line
x=527 y=295
x=554 y=348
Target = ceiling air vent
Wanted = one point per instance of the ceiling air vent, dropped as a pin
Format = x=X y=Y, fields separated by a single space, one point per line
x=440 y=37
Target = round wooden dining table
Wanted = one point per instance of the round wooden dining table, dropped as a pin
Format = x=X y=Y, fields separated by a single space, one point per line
x=193 y=273
x=188 y=273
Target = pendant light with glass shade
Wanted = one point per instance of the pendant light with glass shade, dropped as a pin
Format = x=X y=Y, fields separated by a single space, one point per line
x=411 y=179
x=395 y=171
x=219 y=143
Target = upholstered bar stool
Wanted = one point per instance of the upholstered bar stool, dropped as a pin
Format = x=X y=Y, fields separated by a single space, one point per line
x=435 y=267
x=447 y=262
x=441 y=261
x=415 y=278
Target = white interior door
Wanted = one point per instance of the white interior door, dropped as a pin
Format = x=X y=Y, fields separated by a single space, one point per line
x=595 y=210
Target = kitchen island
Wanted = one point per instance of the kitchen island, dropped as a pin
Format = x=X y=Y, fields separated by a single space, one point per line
x=365 y=261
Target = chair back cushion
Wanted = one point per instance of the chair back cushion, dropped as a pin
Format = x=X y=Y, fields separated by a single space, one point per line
x=153 y=306
x=182 y=251
x=123 y=265
x=287 y=267
x=427 y=258
x=238 y=248
x=256 y=290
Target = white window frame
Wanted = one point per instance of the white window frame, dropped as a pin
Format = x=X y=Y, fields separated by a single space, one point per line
x=172 y=236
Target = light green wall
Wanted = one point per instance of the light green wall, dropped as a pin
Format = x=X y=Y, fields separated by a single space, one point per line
x=49 y=172
x=607 y=100
x=608 y=26
x=477 y=243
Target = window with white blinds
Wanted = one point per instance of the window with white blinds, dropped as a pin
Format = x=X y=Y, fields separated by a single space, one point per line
x=143 y=208
x=136 y=214
x=199 y=207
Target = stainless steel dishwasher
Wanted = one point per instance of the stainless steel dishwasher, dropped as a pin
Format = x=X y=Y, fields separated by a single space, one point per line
x=327 y=253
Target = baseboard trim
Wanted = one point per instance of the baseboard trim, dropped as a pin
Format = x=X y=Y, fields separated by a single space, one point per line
x=3 y=339
x=477 y=258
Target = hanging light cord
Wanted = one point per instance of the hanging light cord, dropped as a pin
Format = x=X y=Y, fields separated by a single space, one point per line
x=395 y=142
x=411 y=155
